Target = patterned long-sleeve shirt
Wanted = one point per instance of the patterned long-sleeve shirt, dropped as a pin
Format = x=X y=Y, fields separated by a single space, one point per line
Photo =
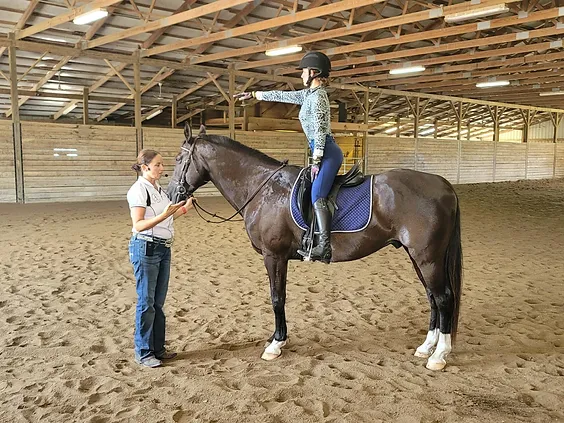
x=314 y=116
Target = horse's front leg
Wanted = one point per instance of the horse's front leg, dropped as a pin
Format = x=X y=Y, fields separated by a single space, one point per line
x=277 y=268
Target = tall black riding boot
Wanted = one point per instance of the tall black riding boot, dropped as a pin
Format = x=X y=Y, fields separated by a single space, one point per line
x=322 y=251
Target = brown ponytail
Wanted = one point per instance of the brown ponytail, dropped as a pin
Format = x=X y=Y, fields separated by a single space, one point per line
x=145 y=157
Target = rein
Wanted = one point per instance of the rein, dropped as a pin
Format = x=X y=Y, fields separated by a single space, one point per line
x=223 y=219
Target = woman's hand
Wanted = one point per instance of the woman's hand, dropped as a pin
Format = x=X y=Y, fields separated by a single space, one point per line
x=171 y=209
x=243 y=96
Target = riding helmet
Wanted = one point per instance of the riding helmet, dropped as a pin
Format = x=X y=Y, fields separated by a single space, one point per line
x=318 y=61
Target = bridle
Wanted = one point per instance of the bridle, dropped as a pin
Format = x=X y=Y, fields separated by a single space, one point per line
x=181 y=190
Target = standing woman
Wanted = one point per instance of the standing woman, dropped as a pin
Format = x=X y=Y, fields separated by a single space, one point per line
x=152 y=214
x=315 y=117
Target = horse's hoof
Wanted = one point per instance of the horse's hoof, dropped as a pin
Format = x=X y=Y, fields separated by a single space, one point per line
x=436 y=365
x=422 y=354
x=269 y=356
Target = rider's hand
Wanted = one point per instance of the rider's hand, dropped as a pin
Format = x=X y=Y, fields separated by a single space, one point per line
x=314 y=171
x=190 y=203
x=172 y=208
x=244 y=96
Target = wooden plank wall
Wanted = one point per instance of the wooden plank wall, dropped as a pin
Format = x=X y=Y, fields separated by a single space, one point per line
x=510 y=161
x=8 y=170
x=385 y=153
x=439 y=157
x=559 y=160
x=476 y=162
x=100 y=171
x=467 y=161
x=540 y=160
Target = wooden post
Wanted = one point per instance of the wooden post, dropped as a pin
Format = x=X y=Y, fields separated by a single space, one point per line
x=365 y=134
x=556 y=124
x=527 y=126
x=416 y=118
x=398 y=125
x=496 y=123
x=16 y=125
x=137 y=79
x=231 y=101
x=174 y=111
x=85 y=106
x=468 y=131
x=459 y=122
x=245 y=119
x=436 y=125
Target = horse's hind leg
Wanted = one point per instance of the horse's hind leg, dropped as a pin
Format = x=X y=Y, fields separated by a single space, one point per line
x=431 y=274
x=277 y=271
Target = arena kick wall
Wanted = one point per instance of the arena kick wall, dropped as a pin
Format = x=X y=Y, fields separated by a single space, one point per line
x=70 y=162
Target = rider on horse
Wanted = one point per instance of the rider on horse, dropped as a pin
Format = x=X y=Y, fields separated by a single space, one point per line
x=315 y=117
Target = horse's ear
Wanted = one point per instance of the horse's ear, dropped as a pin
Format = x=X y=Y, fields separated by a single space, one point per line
x=202 y=130
x=187 y=132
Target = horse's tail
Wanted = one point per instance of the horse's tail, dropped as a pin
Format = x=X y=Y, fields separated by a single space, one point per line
x=453 y=270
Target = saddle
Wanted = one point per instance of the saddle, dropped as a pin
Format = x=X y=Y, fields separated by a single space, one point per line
x=352 y=178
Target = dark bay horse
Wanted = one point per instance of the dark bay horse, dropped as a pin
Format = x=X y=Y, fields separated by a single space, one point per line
x=414 y=210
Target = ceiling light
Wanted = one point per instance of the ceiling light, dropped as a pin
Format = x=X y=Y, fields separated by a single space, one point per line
x=476 y=13
x=69 y=109
x=490 y=84
x=90 y=17
x=391 y=130
x=547 y=93
x=155 y=113
x=411 y=69
x=283 y=50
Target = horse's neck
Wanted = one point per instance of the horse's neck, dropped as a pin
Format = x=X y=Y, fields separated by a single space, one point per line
x=239 y=176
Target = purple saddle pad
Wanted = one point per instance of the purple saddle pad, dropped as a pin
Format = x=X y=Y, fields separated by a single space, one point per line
x=354 y=208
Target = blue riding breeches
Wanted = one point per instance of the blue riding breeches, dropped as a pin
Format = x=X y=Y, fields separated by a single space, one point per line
x=330 y=165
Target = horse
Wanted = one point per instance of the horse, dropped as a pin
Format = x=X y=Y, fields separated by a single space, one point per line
x=414 y=210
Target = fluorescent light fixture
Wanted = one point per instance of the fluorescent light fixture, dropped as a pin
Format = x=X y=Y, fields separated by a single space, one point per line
x=155 y=113
x=476 y=13
x=547 y=93
x=490 y=84
x=65 y=149
x=56 y=154
x=90 y=17
x=427 y=131
x=69 y=109
x=283 y=50
x=391 y=130
x=411 y=69
x=72 y=155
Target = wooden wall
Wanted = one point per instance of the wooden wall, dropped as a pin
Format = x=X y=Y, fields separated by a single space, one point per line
x=8 y=171
x=99 y=164
x=101 y=169
x=467 y=161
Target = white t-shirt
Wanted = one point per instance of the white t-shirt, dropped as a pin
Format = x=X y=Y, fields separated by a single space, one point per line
x=137 y=197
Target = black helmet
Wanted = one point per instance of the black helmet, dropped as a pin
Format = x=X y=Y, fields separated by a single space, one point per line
x=318 y=61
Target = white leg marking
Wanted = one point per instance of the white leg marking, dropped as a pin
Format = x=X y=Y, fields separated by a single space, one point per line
x=438 y=360
x=426 y=348
x=273 y=350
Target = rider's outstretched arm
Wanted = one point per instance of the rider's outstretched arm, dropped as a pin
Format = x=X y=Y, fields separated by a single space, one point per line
x=293 y=97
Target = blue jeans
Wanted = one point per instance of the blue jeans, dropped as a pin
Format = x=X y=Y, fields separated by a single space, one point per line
x=151 y=266
x=330 y=165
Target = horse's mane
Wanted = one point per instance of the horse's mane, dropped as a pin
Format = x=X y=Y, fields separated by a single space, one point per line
x=237 y=146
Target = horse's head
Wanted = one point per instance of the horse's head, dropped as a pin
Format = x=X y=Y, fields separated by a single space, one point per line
x=189 y=172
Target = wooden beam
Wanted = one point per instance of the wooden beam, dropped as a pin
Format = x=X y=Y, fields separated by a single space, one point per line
x=137 y=94
x=16 y=127
x=85 y=106
x=65 y=17
x=120 y=76
x=166 y=22
x=23 y=19
x=341 y=32
x=231 y=101
x=262 y=25
x=174 y=111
